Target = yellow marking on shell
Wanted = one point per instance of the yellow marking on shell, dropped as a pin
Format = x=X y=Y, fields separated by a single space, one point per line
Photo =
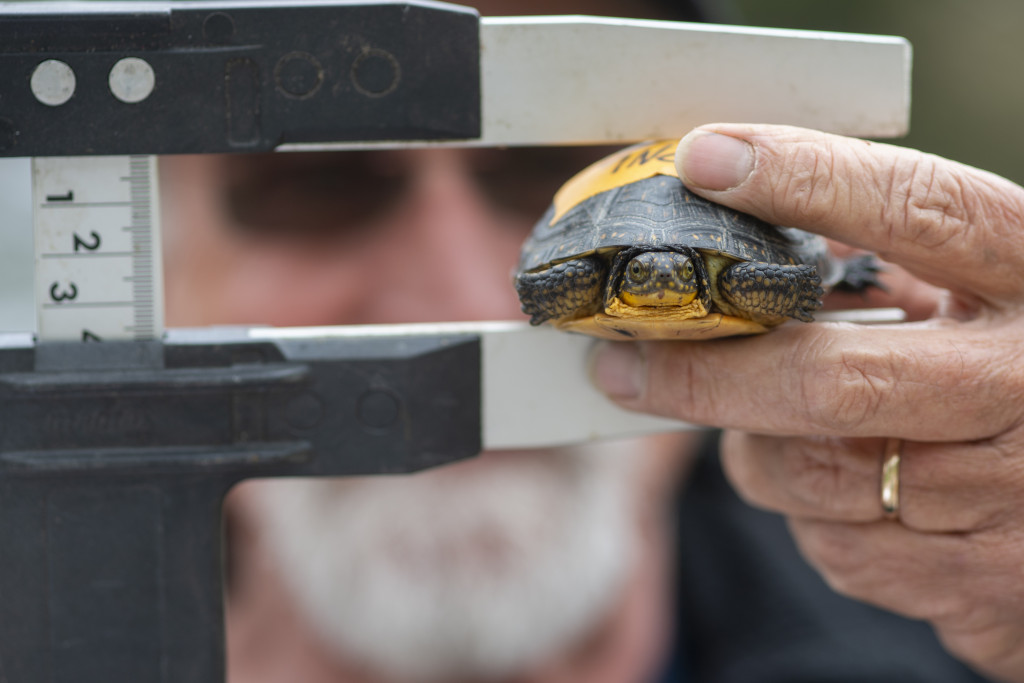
x=626 y=166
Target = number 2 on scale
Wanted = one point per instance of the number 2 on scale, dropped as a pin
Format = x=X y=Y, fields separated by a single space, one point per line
x=88 y=246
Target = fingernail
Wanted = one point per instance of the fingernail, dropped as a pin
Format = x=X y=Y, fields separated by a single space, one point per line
x=713 y=161
x=617 y=369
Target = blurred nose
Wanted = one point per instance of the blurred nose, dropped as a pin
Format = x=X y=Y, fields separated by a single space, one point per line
x=449 y=252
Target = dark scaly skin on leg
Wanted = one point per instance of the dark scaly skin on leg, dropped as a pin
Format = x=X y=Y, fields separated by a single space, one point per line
x=769 y=292
x=571 y=289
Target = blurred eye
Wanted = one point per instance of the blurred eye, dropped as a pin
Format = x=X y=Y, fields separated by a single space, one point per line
x=309 y=194
x=688 y=269
x=636 y=269
x=298 y=195
x=523 y=180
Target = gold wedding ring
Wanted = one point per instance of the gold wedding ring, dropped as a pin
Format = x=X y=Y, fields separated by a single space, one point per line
x=890 y=492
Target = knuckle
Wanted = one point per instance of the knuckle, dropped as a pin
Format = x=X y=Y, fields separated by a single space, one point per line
x=964 y=376
x=850 y=390
x=932 y=204
x=859 y=386
x=986 y=495
x=809 y=477
x=928 y=204
x=807 y=189
x=823 y=479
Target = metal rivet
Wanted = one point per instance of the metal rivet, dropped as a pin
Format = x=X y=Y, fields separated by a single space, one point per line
x=376 y=72
x=131 y=80
x=378 y=408
x=218 y=27
x=53 y=82
x=298 y=74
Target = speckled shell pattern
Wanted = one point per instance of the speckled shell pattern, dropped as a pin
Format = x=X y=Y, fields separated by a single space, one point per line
x=660 y=211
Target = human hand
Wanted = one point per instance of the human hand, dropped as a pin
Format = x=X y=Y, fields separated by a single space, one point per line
x=810 y=406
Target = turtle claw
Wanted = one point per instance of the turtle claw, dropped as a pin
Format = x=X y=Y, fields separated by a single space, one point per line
x=809 y=302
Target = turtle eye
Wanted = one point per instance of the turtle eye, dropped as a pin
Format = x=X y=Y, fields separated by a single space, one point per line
x=687 y=269
x=637 y=270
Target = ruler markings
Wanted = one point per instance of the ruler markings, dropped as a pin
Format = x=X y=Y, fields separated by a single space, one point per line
x=94 y=254
x=89 y=304
x=118 y=294
x=142 y=272
x=80 y=205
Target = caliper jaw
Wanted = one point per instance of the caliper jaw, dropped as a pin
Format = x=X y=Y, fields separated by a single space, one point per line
x=114 y=463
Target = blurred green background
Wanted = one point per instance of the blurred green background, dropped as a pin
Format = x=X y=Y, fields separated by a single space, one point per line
x=968 y=67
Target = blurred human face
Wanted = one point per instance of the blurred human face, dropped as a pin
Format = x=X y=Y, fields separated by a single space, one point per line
x=471 y=570
x=468 y=570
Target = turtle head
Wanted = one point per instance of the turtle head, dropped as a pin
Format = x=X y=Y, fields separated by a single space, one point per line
x=659 y=278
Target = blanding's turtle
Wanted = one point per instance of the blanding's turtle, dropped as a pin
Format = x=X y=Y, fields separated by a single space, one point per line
x=626 y=251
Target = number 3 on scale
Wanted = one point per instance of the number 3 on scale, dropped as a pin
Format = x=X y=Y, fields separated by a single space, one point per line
x=68 y=294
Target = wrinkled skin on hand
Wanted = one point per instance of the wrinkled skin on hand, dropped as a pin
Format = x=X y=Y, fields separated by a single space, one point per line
x=808 y=407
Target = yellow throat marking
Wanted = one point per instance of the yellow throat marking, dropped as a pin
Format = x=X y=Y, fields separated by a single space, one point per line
x=665 y=297
x=694 y=308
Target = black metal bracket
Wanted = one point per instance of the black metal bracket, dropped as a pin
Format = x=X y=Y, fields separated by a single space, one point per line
x=115 y=457
x=111 y=544
x=235 y=78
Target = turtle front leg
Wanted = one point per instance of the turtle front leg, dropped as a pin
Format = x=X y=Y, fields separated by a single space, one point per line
x=571 y=289
x=769 y=293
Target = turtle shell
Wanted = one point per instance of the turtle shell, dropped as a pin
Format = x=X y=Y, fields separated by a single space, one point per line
x=635 y=198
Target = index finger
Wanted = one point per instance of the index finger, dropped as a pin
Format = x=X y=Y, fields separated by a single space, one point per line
x=950 y=224
x=912 y=381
